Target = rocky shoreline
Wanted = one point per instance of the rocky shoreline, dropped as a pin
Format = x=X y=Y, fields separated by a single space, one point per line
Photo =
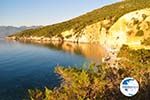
x=47 y=39
x=34 y=38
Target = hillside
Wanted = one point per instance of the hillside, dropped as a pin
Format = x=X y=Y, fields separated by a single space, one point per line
x=9 y=30
x=95 y=26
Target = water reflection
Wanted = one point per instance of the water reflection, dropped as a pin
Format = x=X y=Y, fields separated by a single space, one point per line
x=93 y=52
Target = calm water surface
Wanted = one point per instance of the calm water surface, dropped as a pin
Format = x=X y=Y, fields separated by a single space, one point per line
x=26 y=66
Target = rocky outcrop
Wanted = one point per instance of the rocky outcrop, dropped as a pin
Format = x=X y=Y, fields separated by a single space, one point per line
x=131 y=29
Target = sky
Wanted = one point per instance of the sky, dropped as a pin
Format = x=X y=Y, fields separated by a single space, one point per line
x=45 y=12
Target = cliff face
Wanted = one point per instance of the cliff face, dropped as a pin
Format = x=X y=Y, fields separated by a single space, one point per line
x=94 y=33
x=131 y=29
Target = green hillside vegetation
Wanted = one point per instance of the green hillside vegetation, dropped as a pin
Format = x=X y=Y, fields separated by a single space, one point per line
x=100 y=82
x=113 y=11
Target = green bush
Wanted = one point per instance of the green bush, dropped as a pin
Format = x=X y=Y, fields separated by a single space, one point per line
x=146 y=42
x=100 y=82
x=140 y=33
x=135 y=21
x=144 y=16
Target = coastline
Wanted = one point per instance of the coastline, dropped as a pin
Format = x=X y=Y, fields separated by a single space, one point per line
x=49 y=40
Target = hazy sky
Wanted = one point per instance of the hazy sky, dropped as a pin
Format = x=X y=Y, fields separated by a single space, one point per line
x=44 y=12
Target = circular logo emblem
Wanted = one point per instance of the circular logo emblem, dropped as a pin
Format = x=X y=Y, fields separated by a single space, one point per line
x=129 y=86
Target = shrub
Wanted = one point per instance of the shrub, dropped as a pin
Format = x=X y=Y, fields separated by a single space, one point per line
x=140 y=33
x=146 y=42
x=144 y=16
x=100 y=82
x=135 y=21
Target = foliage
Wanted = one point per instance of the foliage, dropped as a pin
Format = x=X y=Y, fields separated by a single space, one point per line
x=100 y=82
x=135 y=21
x=108 y=12
x=144 y=16
x=146 y=41
x=141 y=56
x=140 y=33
